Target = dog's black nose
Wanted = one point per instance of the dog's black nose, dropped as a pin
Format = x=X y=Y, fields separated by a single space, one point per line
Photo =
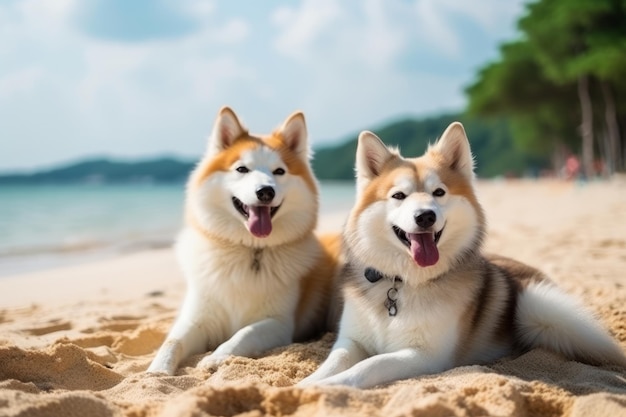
x=426 y=219
x=265 y=194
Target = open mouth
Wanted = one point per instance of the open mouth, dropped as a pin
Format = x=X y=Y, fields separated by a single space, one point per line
x=423 y=246
x=245 y=210
x=258 y=218
x=402 y=236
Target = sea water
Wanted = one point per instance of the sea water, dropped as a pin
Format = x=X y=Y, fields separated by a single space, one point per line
x=43 y=226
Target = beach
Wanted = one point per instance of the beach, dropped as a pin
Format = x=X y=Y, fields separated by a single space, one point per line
x=75 y=340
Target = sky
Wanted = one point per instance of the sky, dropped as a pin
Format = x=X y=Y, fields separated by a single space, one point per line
x=143 y=78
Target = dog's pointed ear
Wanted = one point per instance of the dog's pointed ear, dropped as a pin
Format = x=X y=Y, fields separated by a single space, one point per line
x=454 y=147
x=371 y=156
x=294 y=135
x=226 y=130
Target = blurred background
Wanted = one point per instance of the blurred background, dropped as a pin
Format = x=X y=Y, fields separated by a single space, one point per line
x=105 y=105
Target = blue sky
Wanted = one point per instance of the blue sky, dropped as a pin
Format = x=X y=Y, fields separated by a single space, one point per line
x=136 y=78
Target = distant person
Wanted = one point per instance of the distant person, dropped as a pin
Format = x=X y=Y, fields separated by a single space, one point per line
x=572 y=167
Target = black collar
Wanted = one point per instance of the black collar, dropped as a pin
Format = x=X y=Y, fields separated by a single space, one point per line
x=374 y=275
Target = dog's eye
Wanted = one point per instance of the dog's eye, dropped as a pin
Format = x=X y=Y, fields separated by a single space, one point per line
x=242 y=170
x=399 y=195
x=439 y=192
x=279 y=171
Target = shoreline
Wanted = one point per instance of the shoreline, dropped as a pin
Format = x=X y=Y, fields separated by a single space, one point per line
x=15 y=265
x=46 y=284
x=54 y=263
x=86 y=231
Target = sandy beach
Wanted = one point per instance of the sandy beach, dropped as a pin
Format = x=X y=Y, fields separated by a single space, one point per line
x=75 y=341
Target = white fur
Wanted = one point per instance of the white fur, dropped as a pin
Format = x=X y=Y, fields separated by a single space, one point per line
x=230 y=307
x=370 y=351
x=224 y=306
x=373 y=348
x=549 y=318
x=212 y=206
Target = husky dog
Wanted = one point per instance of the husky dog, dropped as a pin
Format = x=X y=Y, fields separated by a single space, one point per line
x=420 y=297
x=257 y=275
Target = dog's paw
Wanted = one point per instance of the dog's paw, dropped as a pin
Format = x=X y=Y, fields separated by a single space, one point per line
x=213 y=361
x=305 y=384
x=313 y=383
x=158 y=369
x=328 y=381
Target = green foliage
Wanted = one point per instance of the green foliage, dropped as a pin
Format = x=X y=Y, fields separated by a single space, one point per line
x=577 y=37
x=491 y=142
x=540 y=80
x=540 y=111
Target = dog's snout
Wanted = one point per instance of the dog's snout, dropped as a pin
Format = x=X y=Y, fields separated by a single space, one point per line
x=426 y=219
x=265 y=194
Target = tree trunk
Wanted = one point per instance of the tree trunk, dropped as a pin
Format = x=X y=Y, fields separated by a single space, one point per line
x=559 y=156
x=614 y=161
x=586 y=126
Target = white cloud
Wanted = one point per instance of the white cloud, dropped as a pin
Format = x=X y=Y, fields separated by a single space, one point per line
x=50 y=15
x=200 y=9
x=343 y=63
x=234 y=31
x=432 y=26
x=211 y=78
x=302 y=27
x=435 y=20
x=383 y=39
x=20 y=82
x=108 y=67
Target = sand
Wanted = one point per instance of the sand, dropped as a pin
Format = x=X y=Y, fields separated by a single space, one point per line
x=75 y=341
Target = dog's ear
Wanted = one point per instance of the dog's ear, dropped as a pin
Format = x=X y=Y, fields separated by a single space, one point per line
x=226 y=130
x=454 y=147
x=371 y=156
x=294 y=135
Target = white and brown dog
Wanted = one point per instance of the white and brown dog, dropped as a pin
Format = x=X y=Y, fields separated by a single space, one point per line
x=420 y=297
x=257 y=275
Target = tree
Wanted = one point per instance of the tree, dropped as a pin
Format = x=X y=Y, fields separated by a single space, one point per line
x=540 y=111
x=569 y=51
x=582 y=41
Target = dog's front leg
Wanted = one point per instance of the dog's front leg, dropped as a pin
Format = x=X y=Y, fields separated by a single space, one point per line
x=184 y=339
x=387 y=367
x=251 y=341
x=344 y=354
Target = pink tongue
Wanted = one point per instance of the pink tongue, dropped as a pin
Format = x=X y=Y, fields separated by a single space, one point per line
x=259 y=221
x=423 y=248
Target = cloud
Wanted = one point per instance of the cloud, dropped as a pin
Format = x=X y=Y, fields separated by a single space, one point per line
x=433 y=26
x=156 y=88
x=234 y=31
x=372 y=34
x=20 y=82
x=302 y=27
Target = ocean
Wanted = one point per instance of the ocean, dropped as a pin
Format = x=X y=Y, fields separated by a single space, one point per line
x=46 y=226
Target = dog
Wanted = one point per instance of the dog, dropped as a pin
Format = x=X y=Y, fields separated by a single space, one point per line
x=419 y=295
x=257 y=275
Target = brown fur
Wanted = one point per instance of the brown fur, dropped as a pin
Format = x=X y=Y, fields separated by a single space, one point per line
x=317 y=286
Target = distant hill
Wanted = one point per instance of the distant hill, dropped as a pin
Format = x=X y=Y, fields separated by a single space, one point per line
x=162 y=170
x=491 y=143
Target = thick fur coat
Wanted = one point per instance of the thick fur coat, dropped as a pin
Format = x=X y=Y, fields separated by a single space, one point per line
x=257 y=275
x=420 y=297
